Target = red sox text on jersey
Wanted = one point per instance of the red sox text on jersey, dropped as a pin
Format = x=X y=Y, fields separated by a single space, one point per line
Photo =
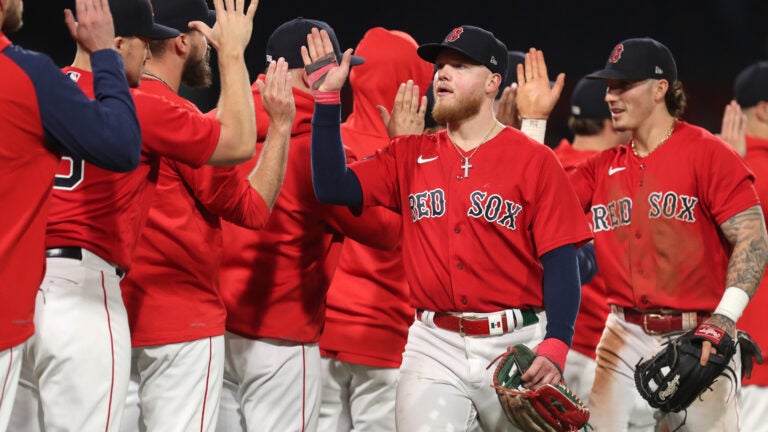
x=491 y=207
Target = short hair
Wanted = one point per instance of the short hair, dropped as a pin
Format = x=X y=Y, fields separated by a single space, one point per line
x=586 y=126
x=158 y=46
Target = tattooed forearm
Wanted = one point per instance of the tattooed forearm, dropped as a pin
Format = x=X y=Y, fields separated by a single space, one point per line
x=746 y=232
x=724 y=323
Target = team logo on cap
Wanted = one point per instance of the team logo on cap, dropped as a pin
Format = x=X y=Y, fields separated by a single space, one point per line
x=616 y=54
x=454 y=35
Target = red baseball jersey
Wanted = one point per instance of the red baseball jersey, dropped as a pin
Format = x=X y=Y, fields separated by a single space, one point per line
x=274 y=281
x=171 y=293
x=753 y=320
x=42 y=115
x=656 y=219
x=104 y=211
x=593 y=309
x=472 y=244
x=367 y=312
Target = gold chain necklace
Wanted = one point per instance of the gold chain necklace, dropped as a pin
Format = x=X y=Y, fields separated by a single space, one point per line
x=663 y=140
x=466 y=166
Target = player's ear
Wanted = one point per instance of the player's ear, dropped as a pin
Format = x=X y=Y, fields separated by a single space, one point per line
x=660 y=90
x=182 y=43
x=493 y=83
x=119 y=41
x=761 y=110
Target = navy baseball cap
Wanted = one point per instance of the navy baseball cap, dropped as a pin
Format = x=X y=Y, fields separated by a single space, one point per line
x=478 y=44
x=286 y=41
x=639 y=59
x=588 y=100
x=751 y=85
x=514 y=58
x=178 y=13
x=134 y=18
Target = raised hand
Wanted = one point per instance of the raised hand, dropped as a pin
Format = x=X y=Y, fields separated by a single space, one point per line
x=324 y=74
x=94 y=29
x=407 y=117
x=734 y=129
x=507 y=112
x=233 y=28
x=535 y=98
x=277 y=94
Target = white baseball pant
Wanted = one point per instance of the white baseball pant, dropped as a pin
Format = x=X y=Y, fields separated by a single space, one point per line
x=445 y=379
x=76 y=366
x=177 y=386
x=614 y=393
x=753 y=404
x=270 y=385
x=10 y=368
x=357 y=397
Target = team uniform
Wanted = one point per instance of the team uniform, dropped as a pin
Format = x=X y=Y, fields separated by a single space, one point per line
x=175 y=312
x=753 y=400
x=32 y=94
x=95 y=220
x=471 y=248
x=658 y=246
x=273 y=283
x=367 y=313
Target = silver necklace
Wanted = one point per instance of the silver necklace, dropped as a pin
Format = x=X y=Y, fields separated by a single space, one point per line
x=159 y=78
x=466 y=166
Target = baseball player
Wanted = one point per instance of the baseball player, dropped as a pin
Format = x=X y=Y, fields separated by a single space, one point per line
x=273 y=281
x=751 y=131
x=78 y=362
x=367 y=313
x=679 y=236
x=178 y=357
x=490 y=225
x=106 y=132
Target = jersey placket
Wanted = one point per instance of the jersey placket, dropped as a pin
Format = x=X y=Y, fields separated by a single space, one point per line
x=638 y=246
x=459 y=188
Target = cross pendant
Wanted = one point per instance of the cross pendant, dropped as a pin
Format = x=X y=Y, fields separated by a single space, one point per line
x=466 y=167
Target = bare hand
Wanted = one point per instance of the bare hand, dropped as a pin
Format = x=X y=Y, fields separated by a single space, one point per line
x=734 y=129
x=94 y=29
x=535 y=98
x=507 y=112
x=277 y=94
x=318 y=45
x=407 y=116
x=720 y=322
x=233 y=28
x=541 y=372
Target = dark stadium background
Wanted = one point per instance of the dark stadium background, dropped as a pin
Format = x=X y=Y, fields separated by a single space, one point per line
x=712 y=40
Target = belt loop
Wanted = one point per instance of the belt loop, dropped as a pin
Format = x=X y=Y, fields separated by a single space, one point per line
x=618 y=310
x=427 y=317
x=690 y=320
x=517 y=316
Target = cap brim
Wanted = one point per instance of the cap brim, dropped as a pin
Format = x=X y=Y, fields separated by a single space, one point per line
x=159 y=32
x=612 y=74
x=430 y=51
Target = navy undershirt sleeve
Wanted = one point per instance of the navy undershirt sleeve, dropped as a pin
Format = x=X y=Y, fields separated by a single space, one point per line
x=104 y=131
x=333 y=182
x=562 y=291
x=587 y=263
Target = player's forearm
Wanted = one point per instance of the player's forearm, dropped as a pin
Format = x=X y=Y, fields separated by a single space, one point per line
x=235 y=113
x=267 y=177
x=746 y=232
x=333 y=182
x=562 y=292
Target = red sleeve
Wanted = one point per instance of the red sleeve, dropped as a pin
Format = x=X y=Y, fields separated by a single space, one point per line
x=582 y=178
x=558 y=217
x=378 y=177
x=224 y=192
x=175 y=130
x=729 y=182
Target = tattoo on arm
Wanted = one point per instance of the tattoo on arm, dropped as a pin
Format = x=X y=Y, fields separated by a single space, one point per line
x=746 y=232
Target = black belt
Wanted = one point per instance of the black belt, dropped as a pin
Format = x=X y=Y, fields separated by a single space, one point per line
x=75 y=253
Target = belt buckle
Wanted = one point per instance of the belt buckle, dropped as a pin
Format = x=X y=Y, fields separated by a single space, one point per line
x=645 y=323
x=461 y=326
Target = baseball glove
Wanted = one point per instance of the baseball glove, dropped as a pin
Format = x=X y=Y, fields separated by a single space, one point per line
x=673 y=379
x=750 y=354
x=547 y=409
